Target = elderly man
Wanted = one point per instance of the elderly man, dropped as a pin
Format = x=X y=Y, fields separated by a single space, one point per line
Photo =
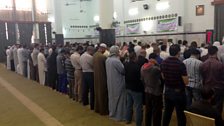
x=100 y=81
x=116 y=85
x=86 y=61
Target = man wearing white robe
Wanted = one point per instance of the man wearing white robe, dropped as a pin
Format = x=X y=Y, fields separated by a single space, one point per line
x=15 y=57
x=8 y=66
x=20 y=56
x=41 y=66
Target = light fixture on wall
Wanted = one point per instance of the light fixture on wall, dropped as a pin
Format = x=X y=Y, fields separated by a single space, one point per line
x=147 y=25
x=96 y=18
x=163 y=5
x=115 y=15
x=133 y=11
x=51 y=19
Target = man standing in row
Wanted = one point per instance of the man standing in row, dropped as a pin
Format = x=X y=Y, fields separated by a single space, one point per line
x=175 y=77
x=213 y=76
x=100 y=81
x=75 y=60
x=86 y=61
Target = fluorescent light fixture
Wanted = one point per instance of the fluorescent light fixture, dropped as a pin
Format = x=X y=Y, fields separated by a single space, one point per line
x=161 y=6
x=115 y=15
x=147 y=25
x=133 y=11
x=96 y=18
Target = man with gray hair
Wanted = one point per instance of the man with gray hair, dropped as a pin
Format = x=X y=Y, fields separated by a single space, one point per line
x=116 y=85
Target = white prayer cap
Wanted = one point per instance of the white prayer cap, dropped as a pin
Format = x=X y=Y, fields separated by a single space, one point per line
x=217 y=44
x=103 y=45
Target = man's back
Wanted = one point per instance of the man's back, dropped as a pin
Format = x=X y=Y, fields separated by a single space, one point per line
x=192 y=65
x=173 y=70
x=212 y=72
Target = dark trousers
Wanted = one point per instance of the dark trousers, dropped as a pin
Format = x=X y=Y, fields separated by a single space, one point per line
x=88 y=86
x=218 y=99
x=25 y=74
x=153 y=112
x=36 y=74
x=62 y=83
x=174 y=98
x=12 y=65
x=71 y=91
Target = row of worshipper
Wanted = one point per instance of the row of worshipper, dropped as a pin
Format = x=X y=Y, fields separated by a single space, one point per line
x=122 y=77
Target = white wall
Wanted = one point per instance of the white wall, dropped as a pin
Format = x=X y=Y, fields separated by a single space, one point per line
x=185 y=8
x=200 y=23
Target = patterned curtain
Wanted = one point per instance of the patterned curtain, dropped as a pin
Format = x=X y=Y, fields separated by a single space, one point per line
x=3 y=41
x=49 y=32
x=219 y=25
x=11 y=33
x=25 y=32
x=42 y=33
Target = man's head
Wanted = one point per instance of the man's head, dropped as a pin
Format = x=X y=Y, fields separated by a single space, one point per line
x=67 y=54
x=163 y=47
x=179 y=42
x=140 y=43
x=90 y=50
x=79 y=49
x=203 y=45
x=133 y=56
x=142 y=53
x=194 y=44
x=195 y=52
x=152 y=56
x=185 y=42
x=212 y=50
x=42 y=50
x=156 y=50
x=114 y=51
x=174 y=50
x=102 y=48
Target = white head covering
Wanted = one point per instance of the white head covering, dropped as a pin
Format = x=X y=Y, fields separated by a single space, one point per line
x=216 y=43
x=103 y=45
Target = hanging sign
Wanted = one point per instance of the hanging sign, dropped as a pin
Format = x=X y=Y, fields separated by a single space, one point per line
x=167 y=25
x=133 y=28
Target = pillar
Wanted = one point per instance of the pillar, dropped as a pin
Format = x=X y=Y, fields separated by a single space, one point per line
x=58 y=16
x=35 y=25
x=107 y=34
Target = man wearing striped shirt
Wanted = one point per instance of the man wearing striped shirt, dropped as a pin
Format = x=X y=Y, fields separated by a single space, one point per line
x=70 y=75
x=195 y=80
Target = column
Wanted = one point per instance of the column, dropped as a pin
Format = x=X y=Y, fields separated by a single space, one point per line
x=58 y=15
x=35 y=36
x=219 y=19
x=107 y=34
x=57 y=11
